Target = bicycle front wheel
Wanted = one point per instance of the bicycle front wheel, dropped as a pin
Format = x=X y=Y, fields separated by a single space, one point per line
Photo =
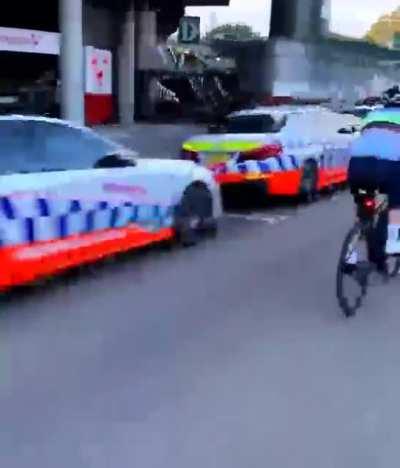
x=352 y=272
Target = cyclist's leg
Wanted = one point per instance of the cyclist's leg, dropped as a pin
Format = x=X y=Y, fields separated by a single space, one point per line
x=391 y=186
x=366 y=174
x=377 y=242
x=391 y=183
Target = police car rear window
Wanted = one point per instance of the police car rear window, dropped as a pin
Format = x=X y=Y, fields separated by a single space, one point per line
x=254 y=124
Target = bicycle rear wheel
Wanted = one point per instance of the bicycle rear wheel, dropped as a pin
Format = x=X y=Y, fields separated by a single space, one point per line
x=352 y=272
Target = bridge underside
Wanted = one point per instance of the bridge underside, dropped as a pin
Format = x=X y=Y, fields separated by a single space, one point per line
x=290 y=18
x=46 y=17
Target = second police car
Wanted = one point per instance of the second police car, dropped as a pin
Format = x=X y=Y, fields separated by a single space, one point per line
x=287 y=150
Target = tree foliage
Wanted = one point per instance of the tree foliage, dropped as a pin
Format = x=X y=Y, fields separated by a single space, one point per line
x=235 y=32
x=384 y=30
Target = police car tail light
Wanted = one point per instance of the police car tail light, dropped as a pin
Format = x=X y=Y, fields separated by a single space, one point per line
x=190 y=155
x=265 y=152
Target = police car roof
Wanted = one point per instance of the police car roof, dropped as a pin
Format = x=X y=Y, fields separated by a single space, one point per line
x=277 y=110
x=39 y=118
x=62 y=123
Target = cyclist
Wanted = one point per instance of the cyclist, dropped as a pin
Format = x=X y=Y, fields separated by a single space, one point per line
x=375 y=165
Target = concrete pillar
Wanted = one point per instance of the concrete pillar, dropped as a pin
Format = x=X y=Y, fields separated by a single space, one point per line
x=71 y=61
x=149 y=57
x=303 y=20
x=126 y=68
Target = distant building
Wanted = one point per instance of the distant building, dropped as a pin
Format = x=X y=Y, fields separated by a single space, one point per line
x=213 y=21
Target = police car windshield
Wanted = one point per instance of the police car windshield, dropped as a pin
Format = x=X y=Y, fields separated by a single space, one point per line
x=253 y=124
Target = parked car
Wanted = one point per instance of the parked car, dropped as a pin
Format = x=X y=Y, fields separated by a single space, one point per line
x=285 y=150
x=69 y=196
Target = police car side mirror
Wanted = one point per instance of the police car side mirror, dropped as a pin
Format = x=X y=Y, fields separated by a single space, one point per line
x=346 y=130
x=112 y=161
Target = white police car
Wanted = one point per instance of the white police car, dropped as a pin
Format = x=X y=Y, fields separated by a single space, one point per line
x=69 y=196
x=285 y=150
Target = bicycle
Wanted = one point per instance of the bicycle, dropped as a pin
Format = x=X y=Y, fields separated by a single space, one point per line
x=372 y=209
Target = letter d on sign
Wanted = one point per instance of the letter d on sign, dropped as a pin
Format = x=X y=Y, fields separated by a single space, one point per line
x=189 y=30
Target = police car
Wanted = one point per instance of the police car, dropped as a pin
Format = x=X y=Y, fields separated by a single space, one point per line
x=286 y=150
x=69 y=196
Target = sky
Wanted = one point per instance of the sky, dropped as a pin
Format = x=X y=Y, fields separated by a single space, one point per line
x=348 y=17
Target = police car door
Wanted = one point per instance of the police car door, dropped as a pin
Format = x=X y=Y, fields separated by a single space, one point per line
x=341 y=131
x=104 y=186
x=299 y=137
x=49 y=188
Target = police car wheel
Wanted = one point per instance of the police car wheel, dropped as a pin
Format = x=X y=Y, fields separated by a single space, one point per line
x=308 y=184
x=193 y=216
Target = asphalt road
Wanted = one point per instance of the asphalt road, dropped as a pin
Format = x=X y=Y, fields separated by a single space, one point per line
x=229 y=355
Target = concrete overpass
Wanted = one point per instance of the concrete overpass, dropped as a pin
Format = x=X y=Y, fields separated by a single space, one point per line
x=302 y=59
x=129 y=28
x=132 y=29
x=143 y=23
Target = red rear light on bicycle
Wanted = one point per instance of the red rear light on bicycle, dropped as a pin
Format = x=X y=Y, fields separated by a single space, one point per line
x=369 y=204
x=189 y=155
x=366 y=207
x=265 y=152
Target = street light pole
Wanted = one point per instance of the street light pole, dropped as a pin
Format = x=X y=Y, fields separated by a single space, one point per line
x=71 y=61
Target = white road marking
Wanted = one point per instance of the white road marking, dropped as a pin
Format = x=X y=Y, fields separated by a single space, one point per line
x=283 y=218
x=255 y=217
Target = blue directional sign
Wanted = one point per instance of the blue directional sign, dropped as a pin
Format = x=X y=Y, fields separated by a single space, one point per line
x=189 y=30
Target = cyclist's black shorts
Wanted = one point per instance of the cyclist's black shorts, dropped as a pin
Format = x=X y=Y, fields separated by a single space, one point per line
x=372 y=174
